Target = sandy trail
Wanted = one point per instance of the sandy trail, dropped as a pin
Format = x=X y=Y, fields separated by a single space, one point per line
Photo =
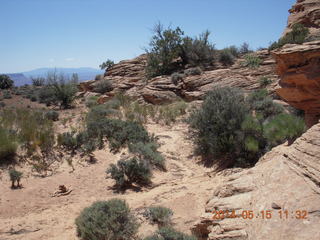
x=31 y=213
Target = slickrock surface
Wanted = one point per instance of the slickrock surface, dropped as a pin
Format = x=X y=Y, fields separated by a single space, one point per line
x=299 y=70
x=287 y=178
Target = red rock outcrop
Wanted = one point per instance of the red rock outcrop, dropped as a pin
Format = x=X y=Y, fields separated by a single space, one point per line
x=299 y=69
x=306 y=12
x=284 y=181
x=129 y=76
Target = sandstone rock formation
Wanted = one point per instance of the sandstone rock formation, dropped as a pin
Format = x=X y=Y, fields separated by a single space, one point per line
x=299 y=70
x=285 y=179
x=129 y=77
x=306 y=12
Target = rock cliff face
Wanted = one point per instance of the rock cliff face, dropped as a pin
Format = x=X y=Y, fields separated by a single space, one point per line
x=285 y=180
x=299 y=69
x=306 y=12
x=129 y=76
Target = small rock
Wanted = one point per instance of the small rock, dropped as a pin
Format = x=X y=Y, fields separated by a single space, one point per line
x=275 y=206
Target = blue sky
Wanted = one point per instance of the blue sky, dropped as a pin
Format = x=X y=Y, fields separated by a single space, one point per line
x=84 y=33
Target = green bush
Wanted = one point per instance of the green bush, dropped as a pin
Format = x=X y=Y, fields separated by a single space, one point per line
x=68 y=140
x=38 y=81
x=160 y=215
x=52 y=115
x=149 y=153
x=217 y=123
x=92 y=101
x=8 y=146
x=176 y=78
x=251 y=61
x=130 y=171
x=263 y=105
x=15 y=176
x=5 y=82
x=46 y=95
x=6 y=95
x=168 y=233
x=103 y=86
x=226 y=57
x=33 y=98
x=283 y=127
x=110 y=220
x=170 y=51
x=298 y=35
x=64 y=91
x=193 y=71
x=264 y=81
x=198 y=51
x=244 y=48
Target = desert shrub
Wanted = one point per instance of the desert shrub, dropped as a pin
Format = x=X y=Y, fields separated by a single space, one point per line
x=113 y=104
x=192 y=71
x=136 y=112
x=226 y=57
x=5 y=82
x=64 y=91
x=92 y=101
x=110 y=220
x=38 y=81
x=283 y=127
x=130 y=171
x=176 y=78
x=15 y=176
x=169 y=113
x=164 y=48
x=33 y=98
x=244 y=48
x=168 y=233
x=264 y=81
x=98 y=77
x=233 y=50
x=263 y=105
x=103 y=86
x=160 y=215
x=149 y=153
x=68 y=140
x=31 y=129
x=298 y=35
x=216 y=124
x=8 y=146
x=6 y=95
x=47 y=95
x=107 y=65
x=52 y=115
x=198 y=51
x=251 y=61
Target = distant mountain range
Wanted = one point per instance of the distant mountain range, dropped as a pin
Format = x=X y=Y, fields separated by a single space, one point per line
x=84 y=74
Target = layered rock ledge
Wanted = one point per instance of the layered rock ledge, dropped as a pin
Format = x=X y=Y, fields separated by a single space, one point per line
x=299 y=69
x=285 y=179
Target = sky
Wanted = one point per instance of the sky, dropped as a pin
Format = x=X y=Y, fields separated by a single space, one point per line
x=85 y=33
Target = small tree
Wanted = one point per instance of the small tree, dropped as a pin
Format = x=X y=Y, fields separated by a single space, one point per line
x=5 y=82
x=106 y=65
x=15 y=176
x=38 y=81
x=74 y=78
x=110 y=220
x=165 y=47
